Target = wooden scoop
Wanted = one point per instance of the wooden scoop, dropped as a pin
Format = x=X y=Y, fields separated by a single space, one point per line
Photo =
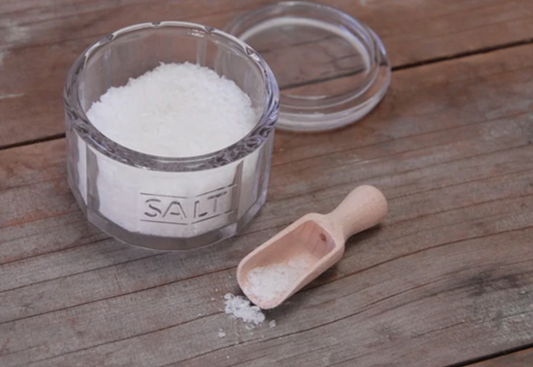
x=307 y=248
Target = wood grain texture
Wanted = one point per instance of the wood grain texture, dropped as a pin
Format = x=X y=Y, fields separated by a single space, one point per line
x=517 y=359
x=451 y=269
x=39 y=40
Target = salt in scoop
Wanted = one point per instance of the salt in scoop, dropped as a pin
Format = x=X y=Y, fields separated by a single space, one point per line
x=301 y=252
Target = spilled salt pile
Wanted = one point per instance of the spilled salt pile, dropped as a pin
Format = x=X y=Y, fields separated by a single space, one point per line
x=240 y=308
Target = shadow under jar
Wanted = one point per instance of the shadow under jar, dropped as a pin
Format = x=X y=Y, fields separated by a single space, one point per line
x=168 y=203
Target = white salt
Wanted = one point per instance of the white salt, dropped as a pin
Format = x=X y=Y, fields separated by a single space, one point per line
x=175 y=110
x=241 y=308
x=271 y=281
x=272 y=324
x=221 y=333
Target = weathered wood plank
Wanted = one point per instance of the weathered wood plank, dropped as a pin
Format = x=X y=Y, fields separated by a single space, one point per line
x=395 y=307
x=452 y=266
x=365 y=149
x=517 y=359
x=417 y=101
x=40 y=40
x=474 y=170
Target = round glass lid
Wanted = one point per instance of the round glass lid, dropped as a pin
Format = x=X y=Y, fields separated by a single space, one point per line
x=332 y=70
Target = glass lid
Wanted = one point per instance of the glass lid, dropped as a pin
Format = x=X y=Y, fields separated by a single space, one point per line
x=331 y=69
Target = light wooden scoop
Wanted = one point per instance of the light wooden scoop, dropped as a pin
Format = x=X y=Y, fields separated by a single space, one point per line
x=317 y=238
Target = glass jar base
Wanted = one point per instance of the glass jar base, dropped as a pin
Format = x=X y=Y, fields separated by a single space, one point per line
x=168 y=243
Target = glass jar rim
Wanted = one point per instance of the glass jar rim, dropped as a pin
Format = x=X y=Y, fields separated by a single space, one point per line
x=238 y=150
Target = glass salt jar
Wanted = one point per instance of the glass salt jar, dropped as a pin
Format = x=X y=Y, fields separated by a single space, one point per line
x=168 y=203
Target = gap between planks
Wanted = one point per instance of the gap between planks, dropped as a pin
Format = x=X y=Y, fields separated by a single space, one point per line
x=33 y=141
x=476 y=361
x=435 y=60
x=396 y=68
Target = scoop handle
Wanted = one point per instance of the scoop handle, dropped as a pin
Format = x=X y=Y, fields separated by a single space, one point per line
x=363 y=208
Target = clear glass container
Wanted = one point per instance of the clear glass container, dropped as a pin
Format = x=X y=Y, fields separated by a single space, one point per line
x=168 y=203
x=332 y=69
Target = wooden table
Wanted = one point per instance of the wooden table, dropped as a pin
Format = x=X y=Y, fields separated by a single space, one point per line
x=446 y=281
